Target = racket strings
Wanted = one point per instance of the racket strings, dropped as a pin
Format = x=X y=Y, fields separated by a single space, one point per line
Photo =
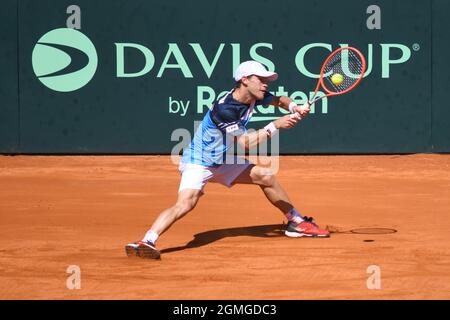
x=346 y=63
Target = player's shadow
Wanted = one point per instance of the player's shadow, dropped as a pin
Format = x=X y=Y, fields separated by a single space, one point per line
x=205 y=238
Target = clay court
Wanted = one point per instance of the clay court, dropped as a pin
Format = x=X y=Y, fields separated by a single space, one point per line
x=58 y=211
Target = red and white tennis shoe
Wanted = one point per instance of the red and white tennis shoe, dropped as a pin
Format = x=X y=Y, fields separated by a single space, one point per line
x=306 y=228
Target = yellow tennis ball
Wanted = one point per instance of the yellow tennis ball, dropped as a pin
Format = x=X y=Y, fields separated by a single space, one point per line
x=337 y=78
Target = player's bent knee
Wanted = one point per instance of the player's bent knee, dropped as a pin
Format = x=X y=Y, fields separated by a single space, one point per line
x=263 y=177
x=186 y=204
x=189 y=196
x=183 y=207
x=268 y=180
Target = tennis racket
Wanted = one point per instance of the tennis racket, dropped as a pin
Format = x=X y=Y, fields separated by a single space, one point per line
x=341 y=72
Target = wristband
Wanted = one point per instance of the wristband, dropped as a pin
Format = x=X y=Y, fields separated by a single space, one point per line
x=270 y=129
x=291 y=107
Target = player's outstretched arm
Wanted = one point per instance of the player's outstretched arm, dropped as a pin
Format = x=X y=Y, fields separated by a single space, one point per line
x=251 y=140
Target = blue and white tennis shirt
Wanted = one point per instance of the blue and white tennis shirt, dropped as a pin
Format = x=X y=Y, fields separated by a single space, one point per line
x=226 y=120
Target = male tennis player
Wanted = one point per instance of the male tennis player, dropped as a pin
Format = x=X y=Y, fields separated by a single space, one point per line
x=205 y=158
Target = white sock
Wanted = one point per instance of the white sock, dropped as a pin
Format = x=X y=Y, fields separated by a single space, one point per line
x=150 y=236
x=294 y=216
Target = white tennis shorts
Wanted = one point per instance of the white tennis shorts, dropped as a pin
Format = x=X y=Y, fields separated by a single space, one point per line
x=195 y=176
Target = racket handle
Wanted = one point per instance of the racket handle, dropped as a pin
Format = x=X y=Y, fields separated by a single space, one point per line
x=316 y=100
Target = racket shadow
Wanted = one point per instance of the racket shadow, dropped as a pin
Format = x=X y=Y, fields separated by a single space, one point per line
x=205 y=238
x=362 y=230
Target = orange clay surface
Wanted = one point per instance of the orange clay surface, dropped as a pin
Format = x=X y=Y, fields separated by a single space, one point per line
x=61 y=211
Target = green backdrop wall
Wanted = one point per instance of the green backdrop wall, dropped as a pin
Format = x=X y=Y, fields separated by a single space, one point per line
x=441 y=77
x=190 y=50
x=9 y=94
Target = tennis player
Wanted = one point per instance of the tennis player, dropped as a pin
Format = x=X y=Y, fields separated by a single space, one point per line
x=206 y=159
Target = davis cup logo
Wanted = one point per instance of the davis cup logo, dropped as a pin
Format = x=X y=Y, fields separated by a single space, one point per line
x=64 y=60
